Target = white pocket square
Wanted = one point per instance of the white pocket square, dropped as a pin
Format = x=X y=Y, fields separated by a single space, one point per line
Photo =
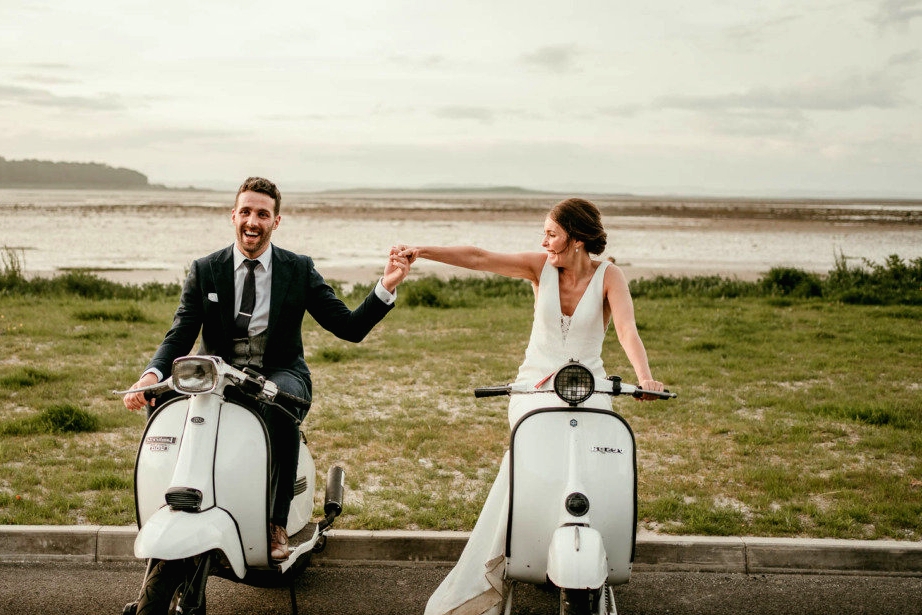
x=213 y=297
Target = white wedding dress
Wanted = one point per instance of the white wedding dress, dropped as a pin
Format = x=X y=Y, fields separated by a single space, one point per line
x=475 y=586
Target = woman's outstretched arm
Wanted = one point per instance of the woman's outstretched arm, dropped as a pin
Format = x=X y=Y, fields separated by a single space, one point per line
x=525 y=265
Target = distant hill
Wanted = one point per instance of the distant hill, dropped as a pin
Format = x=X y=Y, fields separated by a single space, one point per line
x=47 y=174
x=512 y=190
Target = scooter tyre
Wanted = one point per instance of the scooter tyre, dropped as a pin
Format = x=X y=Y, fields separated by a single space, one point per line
x=163 y=589
x=584 y=601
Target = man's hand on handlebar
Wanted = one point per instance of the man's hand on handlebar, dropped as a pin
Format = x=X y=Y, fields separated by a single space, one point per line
x=136 y=401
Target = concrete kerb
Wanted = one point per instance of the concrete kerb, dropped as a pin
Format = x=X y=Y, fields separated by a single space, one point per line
x=655 y=552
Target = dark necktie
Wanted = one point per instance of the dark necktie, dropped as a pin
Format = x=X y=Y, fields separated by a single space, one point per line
x=248 y=301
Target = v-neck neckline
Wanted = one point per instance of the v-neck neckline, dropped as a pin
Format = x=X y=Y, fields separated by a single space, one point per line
x=579 y=301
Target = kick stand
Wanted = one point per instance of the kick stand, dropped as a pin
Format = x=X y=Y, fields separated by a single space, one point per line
x=294 y=598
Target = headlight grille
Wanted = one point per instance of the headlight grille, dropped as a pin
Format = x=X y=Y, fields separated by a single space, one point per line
x=574 y=383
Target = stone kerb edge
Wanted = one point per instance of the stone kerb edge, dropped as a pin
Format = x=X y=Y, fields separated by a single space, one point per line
x=750 y=555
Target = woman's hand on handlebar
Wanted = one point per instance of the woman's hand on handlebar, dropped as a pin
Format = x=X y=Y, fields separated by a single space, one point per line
x=650 y=385
x=136 y=401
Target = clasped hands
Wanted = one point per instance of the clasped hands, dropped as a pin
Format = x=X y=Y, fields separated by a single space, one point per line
x=396 y=269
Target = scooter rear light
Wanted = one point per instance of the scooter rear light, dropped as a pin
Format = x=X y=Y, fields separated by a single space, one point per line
x=184 y=498
x=577 y=504
x=574 y=383
x=195 y=375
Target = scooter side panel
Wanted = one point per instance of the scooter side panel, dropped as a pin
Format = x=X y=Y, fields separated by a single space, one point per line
x=241 y=478
x=157 y=457
x=302 y=505
x=553 y=453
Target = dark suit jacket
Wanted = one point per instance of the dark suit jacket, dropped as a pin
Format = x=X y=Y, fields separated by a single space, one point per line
x=207 y=306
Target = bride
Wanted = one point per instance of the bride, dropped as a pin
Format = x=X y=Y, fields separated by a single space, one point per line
x=576 y=297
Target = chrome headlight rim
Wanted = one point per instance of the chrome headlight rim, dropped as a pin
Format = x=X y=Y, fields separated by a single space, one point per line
x=195 y=375
x=574 y=383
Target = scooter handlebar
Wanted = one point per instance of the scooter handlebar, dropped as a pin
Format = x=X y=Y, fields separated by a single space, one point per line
x=495 y=391
x=605 y=387
x=665 y=394
x=150 y=391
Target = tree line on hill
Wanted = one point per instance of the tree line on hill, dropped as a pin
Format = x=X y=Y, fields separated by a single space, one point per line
x=47 y=174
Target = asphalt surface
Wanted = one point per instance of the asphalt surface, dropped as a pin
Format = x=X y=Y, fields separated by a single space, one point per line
x=92 y=569
x=66 y=588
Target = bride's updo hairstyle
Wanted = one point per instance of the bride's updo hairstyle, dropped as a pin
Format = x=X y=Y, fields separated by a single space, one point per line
x=582 y=222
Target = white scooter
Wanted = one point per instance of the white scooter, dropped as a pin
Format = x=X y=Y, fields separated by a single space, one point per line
x=202 y=488
x=573 y=491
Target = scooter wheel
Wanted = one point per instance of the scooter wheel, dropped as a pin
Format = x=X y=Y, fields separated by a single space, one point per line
x=584 y=601
x=163 y=589
x=130 y=609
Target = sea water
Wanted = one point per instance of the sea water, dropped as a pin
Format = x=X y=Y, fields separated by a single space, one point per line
x=141 y=236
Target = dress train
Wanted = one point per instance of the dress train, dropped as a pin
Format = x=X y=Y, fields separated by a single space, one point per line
x=475 y=586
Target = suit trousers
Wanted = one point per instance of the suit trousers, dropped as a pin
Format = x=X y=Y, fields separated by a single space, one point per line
x=284 y=436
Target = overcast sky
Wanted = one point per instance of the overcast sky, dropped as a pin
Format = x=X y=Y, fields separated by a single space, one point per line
x=745 y=97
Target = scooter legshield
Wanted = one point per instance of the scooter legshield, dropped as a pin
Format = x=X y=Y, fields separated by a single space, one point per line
x=555 y=452
x=157 y=455
x=236 y=460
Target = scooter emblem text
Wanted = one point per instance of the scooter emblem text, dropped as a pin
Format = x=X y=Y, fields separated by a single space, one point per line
x=197 y=420
x=160 y=443
x=606 y=449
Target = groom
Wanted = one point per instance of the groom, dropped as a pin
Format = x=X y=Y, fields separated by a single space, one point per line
x=248 y=301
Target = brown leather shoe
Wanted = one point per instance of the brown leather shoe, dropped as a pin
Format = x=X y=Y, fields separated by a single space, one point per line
x=278 y=542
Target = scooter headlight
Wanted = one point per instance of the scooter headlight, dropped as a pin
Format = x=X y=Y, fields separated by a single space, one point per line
x=195 y=375
x=574 y=383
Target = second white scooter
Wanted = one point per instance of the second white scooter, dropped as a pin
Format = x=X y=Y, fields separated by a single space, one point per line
x=572 y=491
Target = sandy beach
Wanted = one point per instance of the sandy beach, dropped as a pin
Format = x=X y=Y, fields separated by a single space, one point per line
x=794 y=231
x=152 y=236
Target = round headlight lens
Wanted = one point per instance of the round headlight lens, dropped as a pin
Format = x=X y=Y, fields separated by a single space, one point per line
x=574 y=383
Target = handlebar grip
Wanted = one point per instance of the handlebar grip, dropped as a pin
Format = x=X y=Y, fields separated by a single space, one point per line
x=300 y=401
x=492 y=391
x=664 y=394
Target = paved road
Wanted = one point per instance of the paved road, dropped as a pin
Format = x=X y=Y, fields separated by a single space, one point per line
x=82 y=589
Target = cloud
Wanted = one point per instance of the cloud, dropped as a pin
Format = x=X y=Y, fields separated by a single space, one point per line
x=44 y=79
x=432 y=61
x=554 y=58
x=628 y=110
x=758 y=123
x=873 y=90
x=461 y=112
x=756 y=33
x=908 y=58
x=44 y=98
x=898 y=13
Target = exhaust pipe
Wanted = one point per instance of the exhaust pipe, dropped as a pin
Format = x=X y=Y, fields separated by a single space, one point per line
x=333 y=505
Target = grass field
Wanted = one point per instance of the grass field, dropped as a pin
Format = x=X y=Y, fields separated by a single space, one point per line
x=798 y=415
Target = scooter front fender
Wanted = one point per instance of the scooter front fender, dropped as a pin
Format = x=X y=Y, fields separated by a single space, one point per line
x=576 y=558
x=172 y=534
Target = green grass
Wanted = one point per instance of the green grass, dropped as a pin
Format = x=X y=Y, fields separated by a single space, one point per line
x=798 y=414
